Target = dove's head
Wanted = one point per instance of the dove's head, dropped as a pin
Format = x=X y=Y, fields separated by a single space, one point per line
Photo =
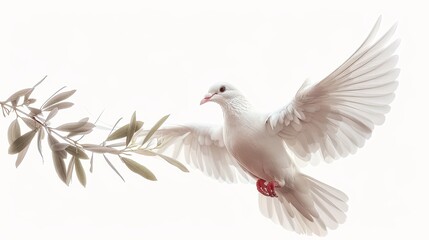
x=220 y=93
x=225 y=95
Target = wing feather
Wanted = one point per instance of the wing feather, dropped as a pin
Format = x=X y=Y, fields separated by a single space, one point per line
x=337 y=115
x=202 y=147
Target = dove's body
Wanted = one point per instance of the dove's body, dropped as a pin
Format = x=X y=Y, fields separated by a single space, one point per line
x=260 y=153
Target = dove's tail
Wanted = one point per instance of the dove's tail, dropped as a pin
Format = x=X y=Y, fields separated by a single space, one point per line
x=309 y=208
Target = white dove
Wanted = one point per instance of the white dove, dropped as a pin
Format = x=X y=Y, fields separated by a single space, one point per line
x=331 y=118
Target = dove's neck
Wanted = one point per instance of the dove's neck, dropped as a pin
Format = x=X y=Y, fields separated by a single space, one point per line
x=235 y=108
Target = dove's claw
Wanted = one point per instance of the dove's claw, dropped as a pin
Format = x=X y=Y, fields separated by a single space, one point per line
x=260 y=185
x=271 y=189
x=266 y=189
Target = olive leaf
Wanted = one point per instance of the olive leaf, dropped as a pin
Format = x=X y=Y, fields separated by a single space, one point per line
x=173 y=162
x=123 y=131
x=118 y=144
x=80 y=172
x=14 y=97
x=52 y=141
x=91 y=168
x=154 y=129
x=27 y=96
x=60 y=166
x=168 y=159
x=58 y=98
x=100 y=149
x=82 y=133
x=30 y=101
x=27 y=99
x=40 y=137
x=14 y=131
x=31 y=123
x=22 y=142
x=34 y=111
x=131 y=129
x=59 y=146
x=81 y=127
x=61 y=105
x=69 y=127
x=83 y=130
x=85 y=119
x=51 y=114
x=145 y=152
x=77 y=152
x=139 y=169
x=113 y=167
x=21 y=156
x=70 y=171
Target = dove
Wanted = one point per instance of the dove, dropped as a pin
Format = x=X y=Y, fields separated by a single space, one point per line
x=326 y=120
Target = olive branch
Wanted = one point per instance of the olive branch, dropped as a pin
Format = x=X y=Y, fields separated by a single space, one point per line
x=65 y=140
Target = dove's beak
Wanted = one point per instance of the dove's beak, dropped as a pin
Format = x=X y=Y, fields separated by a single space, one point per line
x=207 y=98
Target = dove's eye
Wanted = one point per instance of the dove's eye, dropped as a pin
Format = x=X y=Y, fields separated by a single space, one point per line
x=222 y=89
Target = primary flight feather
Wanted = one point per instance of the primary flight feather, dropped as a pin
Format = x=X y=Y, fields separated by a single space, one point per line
x=332 y=118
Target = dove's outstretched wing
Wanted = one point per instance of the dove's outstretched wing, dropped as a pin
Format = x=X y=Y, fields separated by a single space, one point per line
x=335 y=116
x=202 y=147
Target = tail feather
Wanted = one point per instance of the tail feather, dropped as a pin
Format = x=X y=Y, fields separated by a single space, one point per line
x=311 y=207
x=327 y=189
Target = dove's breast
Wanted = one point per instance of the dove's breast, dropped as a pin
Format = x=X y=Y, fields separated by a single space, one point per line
x=257 y=151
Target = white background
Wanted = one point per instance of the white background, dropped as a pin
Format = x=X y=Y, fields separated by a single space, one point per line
x=160 y=57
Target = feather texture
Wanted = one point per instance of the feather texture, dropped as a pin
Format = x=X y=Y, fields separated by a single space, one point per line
x=202 y=147
x=337 y=115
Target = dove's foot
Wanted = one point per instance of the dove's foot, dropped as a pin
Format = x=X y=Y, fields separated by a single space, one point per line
x=266 y=188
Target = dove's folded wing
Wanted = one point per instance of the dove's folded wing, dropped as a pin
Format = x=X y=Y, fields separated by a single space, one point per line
x=335 y=116
x=202 y=147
